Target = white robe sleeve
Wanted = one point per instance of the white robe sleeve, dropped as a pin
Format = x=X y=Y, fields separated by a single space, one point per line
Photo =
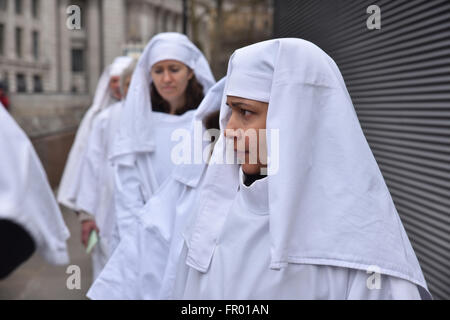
x=119 y=278
x=132 y=272
x=93 y=161
x=137 y=267
x=129 y=195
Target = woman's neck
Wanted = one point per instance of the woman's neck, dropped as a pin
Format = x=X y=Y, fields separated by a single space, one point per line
x=177 y=105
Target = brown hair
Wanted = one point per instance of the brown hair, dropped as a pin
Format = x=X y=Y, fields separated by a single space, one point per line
x=194 y=96
x=212 y=120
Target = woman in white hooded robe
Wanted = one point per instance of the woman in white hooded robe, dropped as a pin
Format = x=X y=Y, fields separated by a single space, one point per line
x=30 y=218
x=319 y=223
x=142 y=149
x=105 y=95
x=144 y=264
x=95 y=196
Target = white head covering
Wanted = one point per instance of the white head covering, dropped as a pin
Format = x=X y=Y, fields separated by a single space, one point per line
x=328 y=202
x=25 y=195
x=68 y=187
x=136 y=131
x=119 y=65
x=190 y=174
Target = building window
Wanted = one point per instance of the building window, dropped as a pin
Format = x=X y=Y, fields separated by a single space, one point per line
x=19 y=42
x=21 y=83
x=5 y=81
x=35 y=8
x=36 y=45
x=3 y=5
x=18 y=6
x=2 y=39
x=37 y=84
x=77 y=60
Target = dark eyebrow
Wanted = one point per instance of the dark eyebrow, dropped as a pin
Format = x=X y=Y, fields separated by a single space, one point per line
x=238 y=104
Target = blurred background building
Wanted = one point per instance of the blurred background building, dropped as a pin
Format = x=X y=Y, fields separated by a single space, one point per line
x=51 y=71
x=399 y=80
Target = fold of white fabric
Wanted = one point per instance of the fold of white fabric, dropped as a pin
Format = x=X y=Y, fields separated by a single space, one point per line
x=68 y=186
x=25 y=194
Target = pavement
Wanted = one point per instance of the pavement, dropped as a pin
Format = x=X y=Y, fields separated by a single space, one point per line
x=37 y=280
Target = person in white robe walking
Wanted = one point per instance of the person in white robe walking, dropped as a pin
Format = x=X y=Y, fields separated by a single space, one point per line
x=304 y=213
x=95 y=196
x=30 y=218
x=107 y=92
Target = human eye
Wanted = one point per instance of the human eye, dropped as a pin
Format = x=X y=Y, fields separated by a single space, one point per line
x=245 y=112
x=158 y=70
x=174 y=69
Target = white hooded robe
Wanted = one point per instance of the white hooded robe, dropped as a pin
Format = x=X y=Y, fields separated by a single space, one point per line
x=142 y=150
x=25 y=194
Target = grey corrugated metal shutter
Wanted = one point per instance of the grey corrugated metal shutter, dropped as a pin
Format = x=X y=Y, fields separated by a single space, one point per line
x=399 y=80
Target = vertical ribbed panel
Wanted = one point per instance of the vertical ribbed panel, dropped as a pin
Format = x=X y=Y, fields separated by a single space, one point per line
x=399 y=80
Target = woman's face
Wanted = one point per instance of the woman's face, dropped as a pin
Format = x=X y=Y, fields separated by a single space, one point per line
x=114 y=85
x=171 y=79
x=248 y=118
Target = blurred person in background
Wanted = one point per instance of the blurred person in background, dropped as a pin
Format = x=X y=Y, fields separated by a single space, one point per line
x=107 y=93
x=95 y=198
x=30 y=218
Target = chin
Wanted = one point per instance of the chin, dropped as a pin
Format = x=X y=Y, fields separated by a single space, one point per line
x=251 y=169
x=169 y=96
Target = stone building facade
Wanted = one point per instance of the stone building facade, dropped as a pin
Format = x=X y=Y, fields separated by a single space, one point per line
x=51 y=71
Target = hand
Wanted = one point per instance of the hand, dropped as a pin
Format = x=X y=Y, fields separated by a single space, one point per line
x=86 y=228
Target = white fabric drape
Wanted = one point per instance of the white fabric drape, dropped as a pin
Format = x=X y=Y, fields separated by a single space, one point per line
x=25 y=194
x=239 y=268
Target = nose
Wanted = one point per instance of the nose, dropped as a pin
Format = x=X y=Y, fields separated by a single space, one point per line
x=167 y=76
x=231 y=131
